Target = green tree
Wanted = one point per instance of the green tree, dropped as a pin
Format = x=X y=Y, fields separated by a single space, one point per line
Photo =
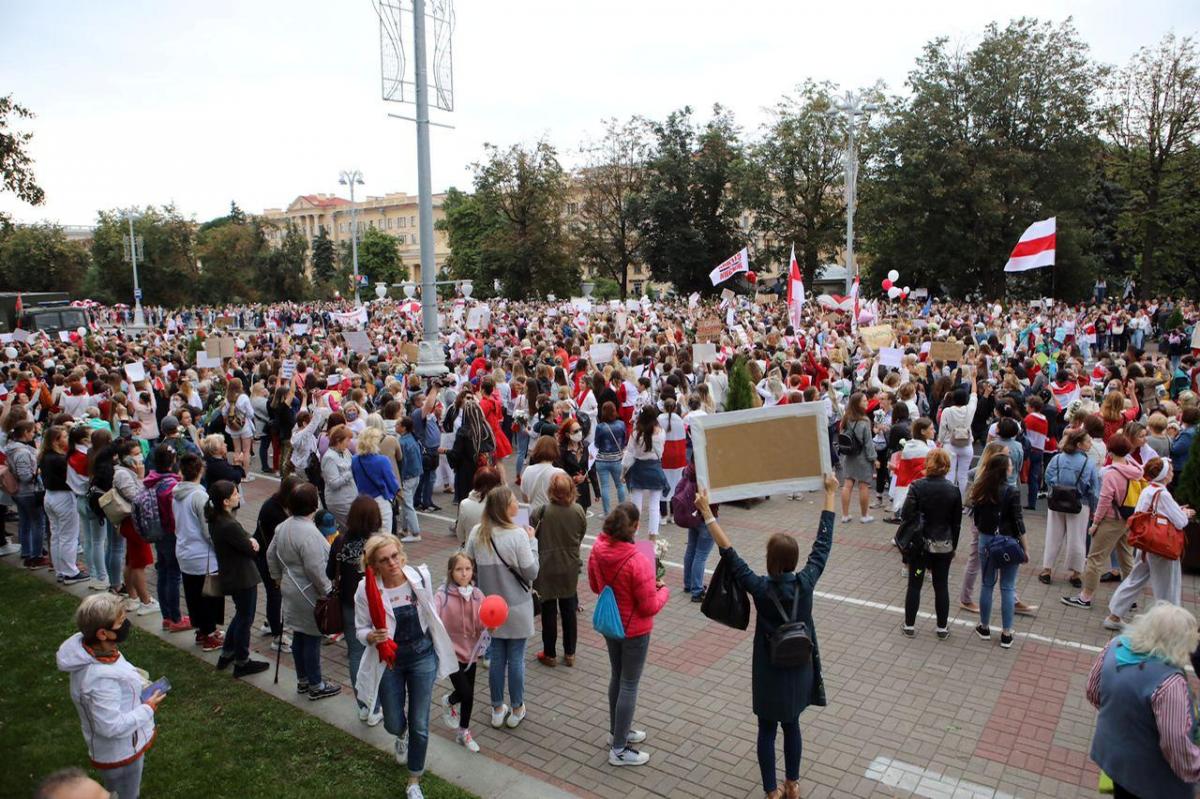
x=466 y=224
x=608 y=185
x=281 y=273
x=607 y=289
x=796 y=177
x=230 y=252
x=15 y=164
x=516 y=221
x=691 y=202
x=741 y=388
x=41 y=258
x=378 y=258
x=1153 y=123
x=168 y=275
x=324 y=258
x=988 y=141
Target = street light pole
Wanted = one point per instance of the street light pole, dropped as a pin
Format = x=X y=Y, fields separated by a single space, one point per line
x=352 y=178
x=431 y=361
x=851 y=107
x=139 y=318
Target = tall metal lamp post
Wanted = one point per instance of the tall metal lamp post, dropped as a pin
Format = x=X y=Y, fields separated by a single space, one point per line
x=852 y=107
x=352 y=178
x=132 y=250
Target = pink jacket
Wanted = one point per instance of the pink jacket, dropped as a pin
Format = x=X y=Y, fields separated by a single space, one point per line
x=631 y=575
x=1114 y=482
x=460 y=617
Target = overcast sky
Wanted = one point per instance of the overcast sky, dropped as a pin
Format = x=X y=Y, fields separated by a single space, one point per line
x=199 y=103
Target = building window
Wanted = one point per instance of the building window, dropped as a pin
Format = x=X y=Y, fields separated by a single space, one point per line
x=404 y=221
x=414 y=238
x=412 y=221
x=637 y=287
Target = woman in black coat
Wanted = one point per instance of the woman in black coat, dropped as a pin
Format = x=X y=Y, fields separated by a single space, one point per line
x=929 y=525
x=780 y=694
x=235 y=550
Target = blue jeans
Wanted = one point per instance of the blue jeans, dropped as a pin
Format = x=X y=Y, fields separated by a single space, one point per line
x=521 y=443
x=94 y=538
x=766 y=752
x=237 y=634
x=410 y=522
x=31 y=525
x=115 y=556
x=610 y=472
x=507 y=656
x=1035 y=477
x=169 y=578
x=264 y=446
x=425 y=488
x=306 y=652
x=1008 y=587
x=699 y=544
x=125 y=781
x=411 y=678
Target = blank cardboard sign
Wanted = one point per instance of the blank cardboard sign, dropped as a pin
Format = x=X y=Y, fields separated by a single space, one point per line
x=761 y=451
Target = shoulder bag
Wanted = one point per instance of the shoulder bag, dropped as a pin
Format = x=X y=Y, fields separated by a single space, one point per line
x=726 y=602
x=1154 y=533
x=1065 y=498
x=533 y=595
x=327 y=611
x=115 y=507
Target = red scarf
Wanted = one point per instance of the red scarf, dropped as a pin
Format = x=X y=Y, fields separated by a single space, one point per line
x=387 y=649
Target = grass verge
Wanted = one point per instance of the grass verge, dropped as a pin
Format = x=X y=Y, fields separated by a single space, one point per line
x=217 y=736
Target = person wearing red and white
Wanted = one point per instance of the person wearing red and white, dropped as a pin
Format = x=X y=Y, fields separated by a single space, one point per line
x=1037 y=432
x=1165 y=576
x=627 y=393
x=1143 y=738
x=117 y=723
x=674 y=457
x=911 y=466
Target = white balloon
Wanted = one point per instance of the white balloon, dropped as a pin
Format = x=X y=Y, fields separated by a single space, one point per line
x=241 y=343
x=906 y=289
x=893 y=275
x=81 y=331
x=11 y=352
x=893 y=292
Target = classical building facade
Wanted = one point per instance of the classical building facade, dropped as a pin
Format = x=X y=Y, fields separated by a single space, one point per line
x=394 y=214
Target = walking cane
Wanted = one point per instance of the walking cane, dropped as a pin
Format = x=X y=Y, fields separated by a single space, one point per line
x=279 y=644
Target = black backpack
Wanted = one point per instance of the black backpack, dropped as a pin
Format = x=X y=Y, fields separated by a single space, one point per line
x=790 y=646
x=847 y=443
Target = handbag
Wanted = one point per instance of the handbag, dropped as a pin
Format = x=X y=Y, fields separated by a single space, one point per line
x=212 y=582
x=910 y=535
x=327 y=611
x=726 y=602
x=115 y=507
x=790 y=646
x=534 y=598
x=1002 y=550
x=1067 y=499
x=1154 y=533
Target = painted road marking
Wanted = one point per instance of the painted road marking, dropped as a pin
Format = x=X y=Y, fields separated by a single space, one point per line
x=927 y=782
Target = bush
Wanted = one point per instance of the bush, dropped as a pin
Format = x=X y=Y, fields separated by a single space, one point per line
x=741 y=390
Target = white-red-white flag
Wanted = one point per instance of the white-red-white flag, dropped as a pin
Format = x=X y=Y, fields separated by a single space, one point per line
x=795 y=297
x=740 y=262
x=1036 y=247
x=857 y=309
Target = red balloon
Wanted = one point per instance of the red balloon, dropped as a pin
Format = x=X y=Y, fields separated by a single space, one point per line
x=751 y=277
x=887 y=284
x=493 y=612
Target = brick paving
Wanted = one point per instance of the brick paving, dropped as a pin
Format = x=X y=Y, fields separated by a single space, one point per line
x=906 y=717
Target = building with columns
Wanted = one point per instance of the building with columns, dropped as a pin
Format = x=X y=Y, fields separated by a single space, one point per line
x=394 y=214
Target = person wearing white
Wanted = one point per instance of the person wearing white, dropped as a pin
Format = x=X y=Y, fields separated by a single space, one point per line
x=954 y=433
x=1164 y=576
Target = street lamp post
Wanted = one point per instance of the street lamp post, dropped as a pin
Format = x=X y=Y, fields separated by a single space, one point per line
x=139 y=318
x=851 y=107
x=432 y=360
x=352 y=178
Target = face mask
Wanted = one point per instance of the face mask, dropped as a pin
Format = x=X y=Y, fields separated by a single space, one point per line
x=122 y=632
x=577 y=435
x=466 y=591
x=351 y=416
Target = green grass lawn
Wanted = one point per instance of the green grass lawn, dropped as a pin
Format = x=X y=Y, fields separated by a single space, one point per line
x=216 y=736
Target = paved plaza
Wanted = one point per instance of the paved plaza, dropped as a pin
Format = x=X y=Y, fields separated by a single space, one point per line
x=906 y=717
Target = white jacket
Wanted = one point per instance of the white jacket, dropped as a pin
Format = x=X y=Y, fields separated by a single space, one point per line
x=117 y=727
x=370 y=668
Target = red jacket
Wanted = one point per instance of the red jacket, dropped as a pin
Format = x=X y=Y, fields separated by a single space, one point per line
x=617 y=563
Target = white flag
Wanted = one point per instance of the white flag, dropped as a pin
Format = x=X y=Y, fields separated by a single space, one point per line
x=740 y=262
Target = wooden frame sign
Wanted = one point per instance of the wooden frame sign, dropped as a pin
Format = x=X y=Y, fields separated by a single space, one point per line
x=709 y=329
x=946 y=351
x=761 y=451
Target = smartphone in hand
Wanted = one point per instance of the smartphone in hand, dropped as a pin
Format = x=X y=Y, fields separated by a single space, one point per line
x=161 y=684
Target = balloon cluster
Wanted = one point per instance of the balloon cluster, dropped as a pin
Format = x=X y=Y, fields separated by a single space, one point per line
x=894 y=291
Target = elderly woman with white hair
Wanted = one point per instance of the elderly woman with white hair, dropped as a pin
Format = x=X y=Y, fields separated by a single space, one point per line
x=1143 y=738
x=116 y=709
x=1164 y=576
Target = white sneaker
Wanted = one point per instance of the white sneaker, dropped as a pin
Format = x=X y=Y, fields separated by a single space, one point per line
x=513 y=721
x=628 y=757
x=498 y=716
x=282 y=645
x=265 y=629
x=249 y=478
x=402 y=749
x=149 y=608
x=363 y=713
x=131 y=604
x=410 y=538
x=632 y=737
x=867 y=519
x=97 y=585
x=845 y=520
x=464 y=739
x=375 y=718
x=11 y=549
x=449 y=713
x=414 y=792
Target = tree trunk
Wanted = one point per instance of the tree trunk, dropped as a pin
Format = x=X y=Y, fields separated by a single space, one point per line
x=1149 y=241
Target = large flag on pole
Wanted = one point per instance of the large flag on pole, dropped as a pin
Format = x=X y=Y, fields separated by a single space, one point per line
x=1036 y=247
x=740 y=262
x=795 y=299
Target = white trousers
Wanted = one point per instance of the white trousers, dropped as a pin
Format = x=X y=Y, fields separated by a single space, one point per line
x=1165 y=578
x=1068 y=528
x=651 y=497
x=64 y=532
x=960 y=467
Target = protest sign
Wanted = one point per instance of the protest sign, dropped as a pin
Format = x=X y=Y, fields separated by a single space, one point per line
x=1196 y=338
x=299 y=329
x=581 y=304
x=136 y=371
x=64 y=336
x=761 y=451
x=478 y=317
x=224 y=321
x=737 y=263
x=891 y=356
x=766 y=299
x=601 y=353
x=287 y=369
x=946 y=351
x=21 y=335
x=704 y=353
x=411 y=351
x=357 y=341
x=219 y=347
x=709 y=329
x=727 y=295
x=203 y=361
x=877 y=336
